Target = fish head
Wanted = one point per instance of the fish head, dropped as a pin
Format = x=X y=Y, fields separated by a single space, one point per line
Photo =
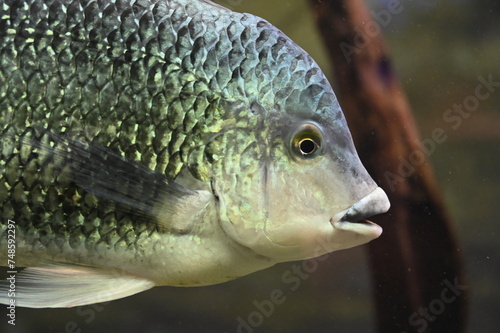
x=291 y=185
x=318 y=193
x=296 y=188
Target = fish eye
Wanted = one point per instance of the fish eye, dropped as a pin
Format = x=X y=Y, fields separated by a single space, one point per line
x=307 y=140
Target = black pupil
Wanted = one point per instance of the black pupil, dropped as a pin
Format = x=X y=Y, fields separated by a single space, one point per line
x=307 y=146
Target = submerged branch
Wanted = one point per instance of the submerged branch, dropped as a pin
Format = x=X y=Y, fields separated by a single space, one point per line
x=416 y=264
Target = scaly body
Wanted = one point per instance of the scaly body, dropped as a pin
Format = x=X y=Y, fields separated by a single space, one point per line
x=149 y=138
x=130 y=82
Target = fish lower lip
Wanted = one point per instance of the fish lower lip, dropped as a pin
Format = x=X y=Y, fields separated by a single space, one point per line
x=360 y=227
x=363 y=221
x=360 y=222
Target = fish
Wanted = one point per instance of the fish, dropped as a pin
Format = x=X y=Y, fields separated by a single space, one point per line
x=165 y=143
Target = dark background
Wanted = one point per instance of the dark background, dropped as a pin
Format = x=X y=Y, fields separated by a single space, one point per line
x=440 y=49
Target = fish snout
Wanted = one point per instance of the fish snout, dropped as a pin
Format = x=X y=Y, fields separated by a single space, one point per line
x=374 y=203
x=353 y=219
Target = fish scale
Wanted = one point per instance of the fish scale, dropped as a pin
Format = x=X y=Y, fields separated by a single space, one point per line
x=91 y=86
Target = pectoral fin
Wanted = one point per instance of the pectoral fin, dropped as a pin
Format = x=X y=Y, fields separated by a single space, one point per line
x=127 y=183
x=57 y=286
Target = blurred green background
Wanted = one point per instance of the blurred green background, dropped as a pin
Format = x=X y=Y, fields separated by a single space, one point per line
x=439 y=49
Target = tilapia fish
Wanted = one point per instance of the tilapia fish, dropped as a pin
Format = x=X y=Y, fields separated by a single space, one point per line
x=165 y=142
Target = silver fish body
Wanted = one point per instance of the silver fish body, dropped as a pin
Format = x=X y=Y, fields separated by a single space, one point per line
x=165 y=142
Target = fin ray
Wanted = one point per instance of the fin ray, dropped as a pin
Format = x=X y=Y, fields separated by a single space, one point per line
x=56 y=286
x=99 y=170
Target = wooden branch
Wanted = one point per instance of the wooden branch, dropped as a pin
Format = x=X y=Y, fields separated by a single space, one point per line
x=416 y=262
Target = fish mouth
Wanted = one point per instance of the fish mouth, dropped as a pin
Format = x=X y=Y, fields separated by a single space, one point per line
x=354 y=218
